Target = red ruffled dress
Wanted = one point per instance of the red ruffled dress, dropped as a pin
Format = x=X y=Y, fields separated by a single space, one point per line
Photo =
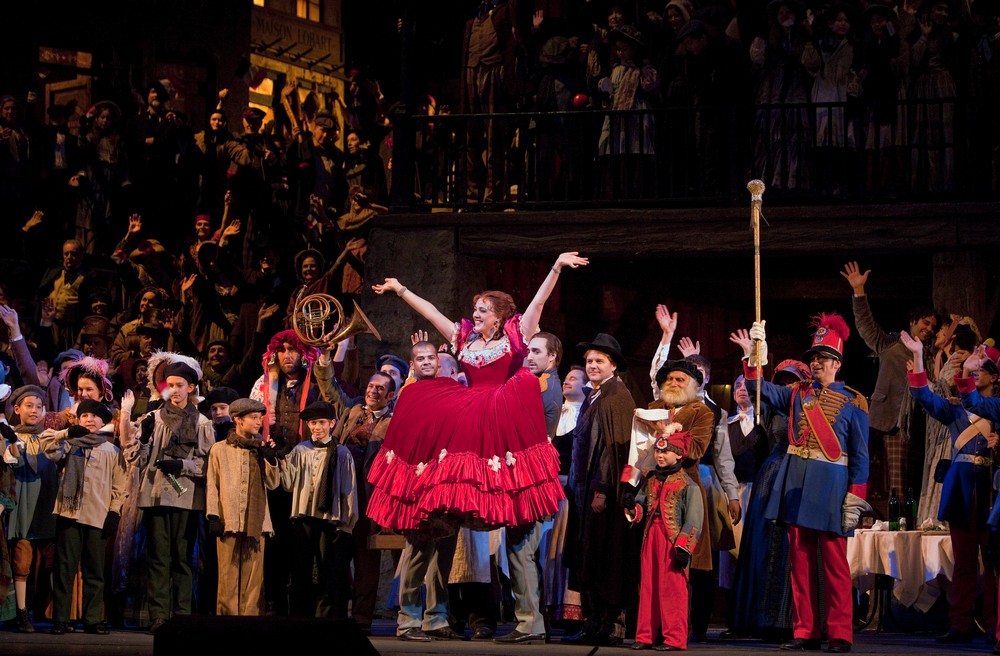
x=476 y=456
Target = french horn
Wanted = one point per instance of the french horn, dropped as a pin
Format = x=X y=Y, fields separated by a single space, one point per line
x=318 y=320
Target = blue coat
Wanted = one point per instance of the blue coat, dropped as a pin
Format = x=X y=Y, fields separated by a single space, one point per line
x=810 y=493
x=966 y=487
x=986 y=407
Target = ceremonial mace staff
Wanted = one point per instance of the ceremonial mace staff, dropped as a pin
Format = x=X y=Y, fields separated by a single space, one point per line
x=756 y=189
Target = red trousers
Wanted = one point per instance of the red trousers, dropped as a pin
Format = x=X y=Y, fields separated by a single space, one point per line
x=663 y=591
x=968 y=544
x=802 y=549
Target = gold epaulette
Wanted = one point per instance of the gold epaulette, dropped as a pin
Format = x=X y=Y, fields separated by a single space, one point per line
x=543 y=380
x=859 y=399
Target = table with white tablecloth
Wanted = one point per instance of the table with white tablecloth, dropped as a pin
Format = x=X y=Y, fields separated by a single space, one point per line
x=912 y=559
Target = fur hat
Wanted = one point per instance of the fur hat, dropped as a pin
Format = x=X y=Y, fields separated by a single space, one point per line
x=686 y=366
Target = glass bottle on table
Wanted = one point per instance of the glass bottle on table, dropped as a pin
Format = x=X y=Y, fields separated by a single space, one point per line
x=910 y=510
x=893 y=511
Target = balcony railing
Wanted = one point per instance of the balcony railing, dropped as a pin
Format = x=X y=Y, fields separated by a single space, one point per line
x=702 y=156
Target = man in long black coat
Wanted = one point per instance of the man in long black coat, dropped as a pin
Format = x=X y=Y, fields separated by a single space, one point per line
x=604 y=559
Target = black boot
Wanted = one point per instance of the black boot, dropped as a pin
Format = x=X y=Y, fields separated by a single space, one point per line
x=23 y=622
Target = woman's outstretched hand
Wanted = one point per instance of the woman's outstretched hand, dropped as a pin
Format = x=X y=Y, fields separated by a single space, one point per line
x=571 y=259
x=390 y=285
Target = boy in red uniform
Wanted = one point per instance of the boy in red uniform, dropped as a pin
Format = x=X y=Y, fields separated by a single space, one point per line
x=675 y=513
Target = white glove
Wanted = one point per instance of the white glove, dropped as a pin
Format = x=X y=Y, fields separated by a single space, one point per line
x=604 y=85
x=758 y=352
x=851 y=512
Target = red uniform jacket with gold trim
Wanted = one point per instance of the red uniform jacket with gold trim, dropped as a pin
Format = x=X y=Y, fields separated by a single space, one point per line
x=677 y=500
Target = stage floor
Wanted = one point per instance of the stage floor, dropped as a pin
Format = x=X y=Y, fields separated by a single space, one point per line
x=138 y=643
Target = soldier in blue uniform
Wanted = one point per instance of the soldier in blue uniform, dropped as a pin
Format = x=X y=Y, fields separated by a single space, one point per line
x=820 y=488
x=979 y=404
x=965 y=494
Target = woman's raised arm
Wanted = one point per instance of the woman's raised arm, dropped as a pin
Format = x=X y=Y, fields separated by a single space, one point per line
x=425 y=308
x=533 y=313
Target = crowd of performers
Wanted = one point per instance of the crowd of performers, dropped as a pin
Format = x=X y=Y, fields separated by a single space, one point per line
x=613 y=522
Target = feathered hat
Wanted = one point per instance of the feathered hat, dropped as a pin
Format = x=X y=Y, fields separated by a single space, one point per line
x=831 y=333
x=674 y=439
x=96 y=368
x=157 y=381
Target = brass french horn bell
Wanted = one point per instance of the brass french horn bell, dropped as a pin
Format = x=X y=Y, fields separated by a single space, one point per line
x=317 y=315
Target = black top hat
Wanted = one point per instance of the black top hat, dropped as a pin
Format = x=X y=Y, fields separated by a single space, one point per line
x=152 y=323
x=97 y=326
x=688 y=367
x=605 y=343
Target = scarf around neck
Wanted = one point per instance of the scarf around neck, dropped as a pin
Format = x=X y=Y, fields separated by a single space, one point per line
x=77 y=453
x=661 y=473
x=183 y=426
x=325 y=487
x=256 y=495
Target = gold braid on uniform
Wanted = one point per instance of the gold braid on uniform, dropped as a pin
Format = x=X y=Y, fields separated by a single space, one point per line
x=831 y=403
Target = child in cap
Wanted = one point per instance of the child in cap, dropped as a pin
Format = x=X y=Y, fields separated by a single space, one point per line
x=675 y=513
x=241 y=468
x=92 y=486
x=29 y=522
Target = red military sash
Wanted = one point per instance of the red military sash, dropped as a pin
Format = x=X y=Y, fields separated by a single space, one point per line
x=818 y=424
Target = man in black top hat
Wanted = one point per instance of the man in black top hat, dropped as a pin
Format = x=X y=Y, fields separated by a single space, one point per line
x=604 y=565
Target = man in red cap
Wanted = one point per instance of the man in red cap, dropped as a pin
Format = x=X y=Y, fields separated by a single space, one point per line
x=820 y=487
x=675 y=512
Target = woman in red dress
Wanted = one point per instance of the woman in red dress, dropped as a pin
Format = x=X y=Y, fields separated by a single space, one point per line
x=477 y=456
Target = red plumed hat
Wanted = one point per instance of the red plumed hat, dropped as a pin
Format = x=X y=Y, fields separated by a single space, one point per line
x=831 y=333
x=678 y=442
